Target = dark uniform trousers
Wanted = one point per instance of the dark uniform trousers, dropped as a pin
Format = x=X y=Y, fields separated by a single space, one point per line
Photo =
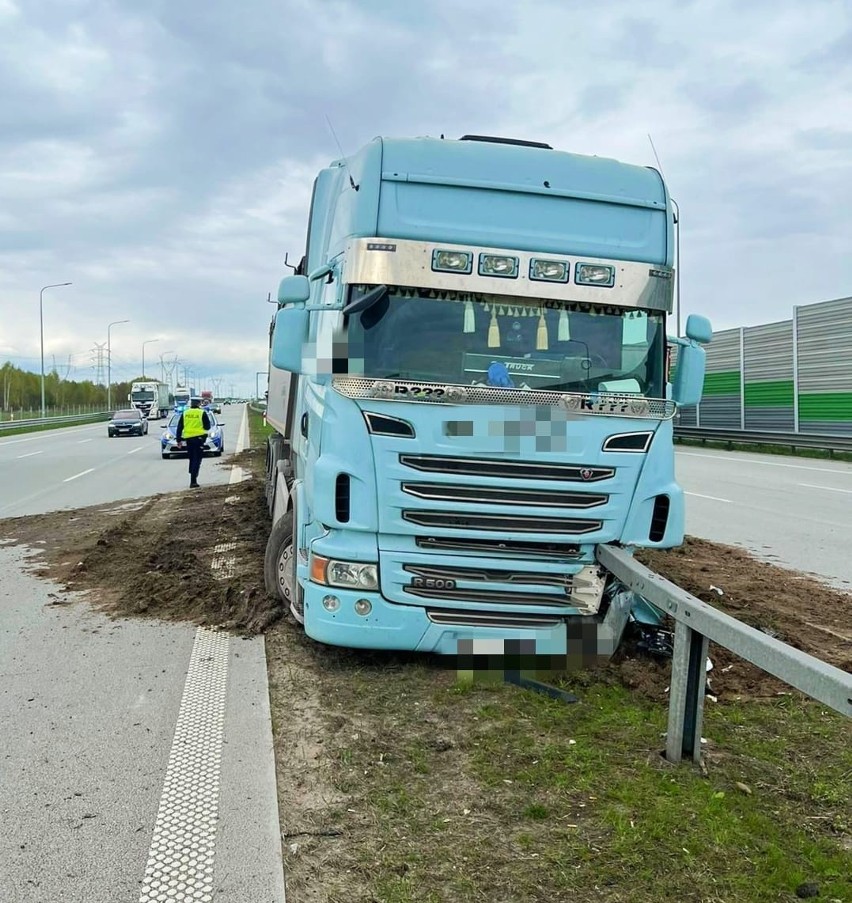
x=195 y=450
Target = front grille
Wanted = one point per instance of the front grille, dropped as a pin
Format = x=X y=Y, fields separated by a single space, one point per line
x=485 y=596
x=488 y=619
x=497 y=495
x=502 y=547
x=489 y=575
x=507 y=470
x=500 y=522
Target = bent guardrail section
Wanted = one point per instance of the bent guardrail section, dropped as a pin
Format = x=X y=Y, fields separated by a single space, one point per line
x=696 y=624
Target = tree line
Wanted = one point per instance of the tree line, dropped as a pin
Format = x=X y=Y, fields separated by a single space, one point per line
x=21 y=390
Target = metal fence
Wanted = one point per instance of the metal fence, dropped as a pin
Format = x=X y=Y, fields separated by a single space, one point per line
x=696 y=623
x=71 y=419
x=792 y=376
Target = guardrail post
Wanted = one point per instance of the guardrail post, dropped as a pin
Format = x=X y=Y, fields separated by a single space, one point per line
x=686 y=694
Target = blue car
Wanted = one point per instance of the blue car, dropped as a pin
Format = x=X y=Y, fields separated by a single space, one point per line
x=214 y=444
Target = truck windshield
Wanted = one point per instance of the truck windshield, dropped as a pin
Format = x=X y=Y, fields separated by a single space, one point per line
x=499 y=340
x=142 y=395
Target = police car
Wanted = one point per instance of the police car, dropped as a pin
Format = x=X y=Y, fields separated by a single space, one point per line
x=214 y=443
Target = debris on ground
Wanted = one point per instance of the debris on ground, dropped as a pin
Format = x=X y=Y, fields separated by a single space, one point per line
x=155 y=558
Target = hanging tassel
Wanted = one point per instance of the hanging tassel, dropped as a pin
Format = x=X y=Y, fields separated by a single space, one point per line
x=469 y=319
x=541 y=339
x=564 y=332
x=493 y=330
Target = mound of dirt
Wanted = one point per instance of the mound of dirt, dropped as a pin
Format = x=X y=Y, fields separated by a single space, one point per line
x=788 y=605
x=163 y=557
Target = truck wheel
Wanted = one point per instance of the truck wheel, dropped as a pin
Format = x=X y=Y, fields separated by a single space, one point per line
x=279 y=567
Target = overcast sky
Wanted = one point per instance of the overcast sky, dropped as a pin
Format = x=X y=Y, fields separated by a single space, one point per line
x=160 y=154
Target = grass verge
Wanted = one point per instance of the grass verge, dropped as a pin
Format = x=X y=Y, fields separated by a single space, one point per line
x=258 y=429
x=424 y=789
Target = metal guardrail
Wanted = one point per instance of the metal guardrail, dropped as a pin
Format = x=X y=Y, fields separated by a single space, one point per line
x=783 y=440
x=697 y=623
x=70 y=419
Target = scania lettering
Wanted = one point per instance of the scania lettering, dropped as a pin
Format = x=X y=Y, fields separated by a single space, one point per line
x=468 y=392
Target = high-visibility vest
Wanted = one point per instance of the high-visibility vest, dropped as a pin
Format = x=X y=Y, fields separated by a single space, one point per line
x=193 y=424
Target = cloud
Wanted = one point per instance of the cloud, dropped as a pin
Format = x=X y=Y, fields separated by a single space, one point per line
x=161 y=156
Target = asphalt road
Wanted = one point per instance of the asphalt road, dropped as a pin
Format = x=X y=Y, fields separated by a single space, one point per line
x=796 y=512
x=80 y=465
x=100 y=800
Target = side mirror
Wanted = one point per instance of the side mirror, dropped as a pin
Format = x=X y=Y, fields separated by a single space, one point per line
x=699 y=329
x=688 y=381
x=289 y=334
x=163 y=426
x=128 y=398
x=294 y=290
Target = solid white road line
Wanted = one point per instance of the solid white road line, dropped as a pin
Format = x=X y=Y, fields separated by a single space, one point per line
x=826 y=488
x=81 y=441
x=242 y=441
x=712 y=498
x=30 y=454
x=741 y=460
x=133 y=452
x=76 y=475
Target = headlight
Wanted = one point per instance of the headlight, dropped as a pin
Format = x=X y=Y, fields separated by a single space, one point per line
x=168 y=436
x=352 y=574
x=498 y=265
x=549 y=270
x=595 y=274
x=452 y=261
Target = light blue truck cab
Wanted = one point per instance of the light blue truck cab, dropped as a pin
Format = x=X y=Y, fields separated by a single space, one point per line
x=468 y=387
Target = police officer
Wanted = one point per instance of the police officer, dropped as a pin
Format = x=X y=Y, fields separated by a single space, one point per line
x=192 y=427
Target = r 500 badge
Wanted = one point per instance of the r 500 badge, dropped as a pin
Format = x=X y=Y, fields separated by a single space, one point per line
x=433 y=583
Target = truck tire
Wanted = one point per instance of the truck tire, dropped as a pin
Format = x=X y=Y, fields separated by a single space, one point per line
x=279 y=567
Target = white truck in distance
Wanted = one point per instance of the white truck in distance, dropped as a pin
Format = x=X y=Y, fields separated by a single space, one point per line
x=151 y=398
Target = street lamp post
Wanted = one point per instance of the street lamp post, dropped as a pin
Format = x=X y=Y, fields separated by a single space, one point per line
x=146 y=342
x=41 y=330
x=109 y=362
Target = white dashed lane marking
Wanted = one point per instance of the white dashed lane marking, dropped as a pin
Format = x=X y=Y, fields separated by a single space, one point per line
x=712 y=498
x=76 y=475
x=826 y=488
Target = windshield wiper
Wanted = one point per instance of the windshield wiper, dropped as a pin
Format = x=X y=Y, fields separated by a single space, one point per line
x=365 y=302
